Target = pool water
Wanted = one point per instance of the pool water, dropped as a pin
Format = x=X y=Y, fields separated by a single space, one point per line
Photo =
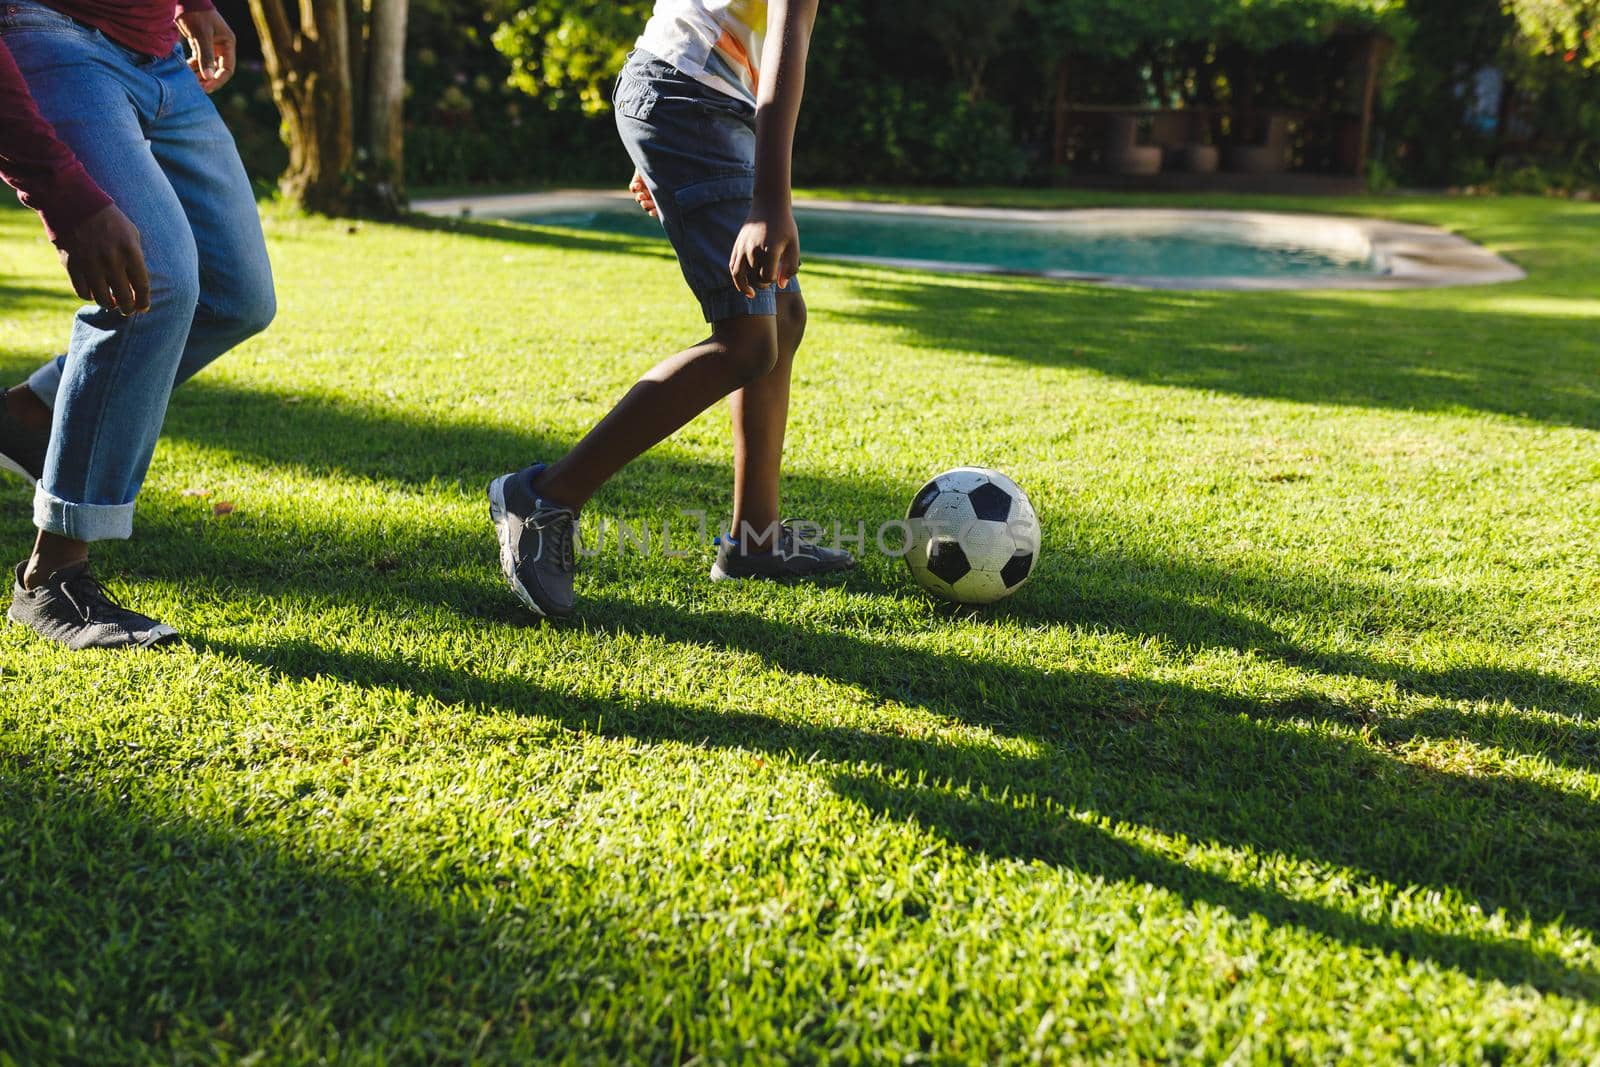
x=1050 y=245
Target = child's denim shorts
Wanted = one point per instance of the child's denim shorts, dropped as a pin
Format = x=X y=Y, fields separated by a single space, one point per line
x=696 y=148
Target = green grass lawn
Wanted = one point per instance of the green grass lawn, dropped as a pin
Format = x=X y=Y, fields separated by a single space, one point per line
x=1289 y=752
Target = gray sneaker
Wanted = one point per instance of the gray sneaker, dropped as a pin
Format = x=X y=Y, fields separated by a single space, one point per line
x=21 y=449
x=791 y=557
x=538 y=543
x=72 y=609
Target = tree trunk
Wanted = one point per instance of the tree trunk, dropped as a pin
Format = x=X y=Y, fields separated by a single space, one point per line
x=386 y=83
x=1374 y=50
x=315 y=77
x=309 y=69
x=1058 y=144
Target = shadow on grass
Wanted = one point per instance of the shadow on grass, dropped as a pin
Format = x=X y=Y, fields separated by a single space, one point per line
x=1323 y=348
x=1178 y=600
x=1134 y=594
x=129 y=921
x=1201 y=765
x=1206 y=766
x=1181 y=601
x=1349 y=349
x=18 y=298
x=513 y=232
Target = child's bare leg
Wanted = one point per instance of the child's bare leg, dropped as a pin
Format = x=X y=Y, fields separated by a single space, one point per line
x=760 y=415
x=739 y=351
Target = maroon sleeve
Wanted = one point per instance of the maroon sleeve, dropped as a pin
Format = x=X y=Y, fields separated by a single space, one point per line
x=45 y=173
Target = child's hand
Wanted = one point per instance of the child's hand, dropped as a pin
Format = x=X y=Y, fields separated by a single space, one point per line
x=641 y=195
x=767 y=251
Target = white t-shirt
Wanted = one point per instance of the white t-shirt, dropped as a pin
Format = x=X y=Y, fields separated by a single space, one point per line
x=715 y=42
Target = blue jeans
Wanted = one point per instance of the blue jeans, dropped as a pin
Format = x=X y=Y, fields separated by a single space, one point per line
x=696 y=150
x=150 y=137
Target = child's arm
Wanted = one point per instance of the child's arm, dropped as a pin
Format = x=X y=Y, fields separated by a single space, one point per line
x=767 y=251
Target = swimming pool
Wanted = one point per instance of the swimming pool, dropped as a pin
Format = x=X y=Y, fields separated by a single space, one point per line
x=1154 y=248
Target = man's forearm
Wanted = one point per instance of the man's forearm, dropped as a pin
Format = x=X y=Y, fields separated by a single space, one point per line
x=783 y=82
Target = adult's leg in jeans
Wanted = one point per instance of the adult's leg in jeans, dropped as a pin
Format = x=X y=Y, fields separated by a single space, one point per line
x=118 y=372
x=200 y=159
x=197 y=154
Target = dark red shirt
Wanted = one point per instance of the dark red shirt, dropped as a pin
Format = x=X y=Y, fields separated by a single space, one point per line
x=33 y=161
x=43 y=171
x=142 y=25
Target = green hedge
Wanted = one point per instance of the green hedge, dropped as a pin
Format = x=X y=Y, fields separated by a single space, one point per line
x=947 y=92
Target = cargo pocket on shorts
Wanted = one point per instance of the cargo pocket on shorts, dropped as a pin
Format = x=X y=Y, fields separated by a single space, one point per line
x=707 y=215
x=634 y=98
x=692 y=198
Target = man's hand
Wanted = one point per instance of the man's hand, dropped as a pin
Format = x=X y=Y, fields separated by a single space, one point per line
x=105 y=260
x=767 y=250
x=213 y=50
x=641 y=195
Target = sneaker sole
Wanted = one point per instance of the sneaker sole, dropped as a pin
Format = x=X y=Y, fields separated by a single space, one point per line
x=508 y=555
x=11 y=466
x=720 y=575
x=159 y=635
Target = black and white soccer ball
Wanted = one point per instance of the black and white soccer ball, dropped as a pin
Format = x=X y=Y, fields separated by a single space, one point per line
x=974 y=536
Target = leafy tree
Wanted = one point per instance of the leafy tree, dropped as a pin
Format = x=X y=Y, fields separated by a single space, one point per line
x=560 y=50
x=942 y=90
x=1260 y=25
x=1429 y=139
x=1126 y=27
x=969 y=35
x=1570 y=28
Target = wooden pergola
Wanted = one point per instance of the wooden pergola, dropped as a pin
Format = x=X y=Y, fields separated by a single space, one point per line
x=1246 y=135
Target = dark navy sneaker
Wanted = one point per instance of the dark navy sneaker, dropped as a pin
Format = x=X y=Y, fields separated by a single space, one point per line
x=791 y=557
x=72 y=609
x=538 y=542
x=21 y=449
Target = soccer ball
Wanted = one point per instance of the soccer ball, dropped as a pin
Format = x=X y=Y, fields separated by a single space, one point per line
x=974 y=536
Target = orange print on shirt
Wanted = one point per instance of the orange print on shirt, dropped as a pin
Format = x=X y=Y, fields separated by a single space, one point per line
x=730 y=46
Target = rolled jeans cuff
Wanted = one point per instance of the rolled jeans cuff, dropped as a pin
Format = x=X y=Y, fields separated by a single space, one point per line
x=45 y=382
x=81 y=522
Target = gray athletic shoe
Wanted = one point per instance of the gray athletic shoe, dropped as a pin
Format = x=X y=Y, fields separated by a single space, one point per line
x=72 y=609
x=21 y=449
x=538 y=543
x=791 y=557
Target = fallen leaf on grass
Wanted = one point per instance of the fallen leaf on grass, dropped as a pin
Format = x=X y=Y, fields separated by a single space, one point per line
x=222 y=507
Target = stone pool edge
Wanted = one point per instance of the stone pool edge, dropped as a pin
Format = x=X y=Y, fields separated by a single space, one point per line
x=1416 y=256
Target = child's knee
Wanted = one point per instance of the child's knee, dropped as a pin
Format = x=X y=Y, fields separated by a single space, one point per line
x=749 y=347
x=791 y=321
x=755 y=360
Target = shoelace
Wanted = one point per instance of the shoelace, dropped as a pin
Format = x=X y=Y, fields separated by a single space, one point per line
x=556 y=526
x=85 y=594
x=790 y=544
